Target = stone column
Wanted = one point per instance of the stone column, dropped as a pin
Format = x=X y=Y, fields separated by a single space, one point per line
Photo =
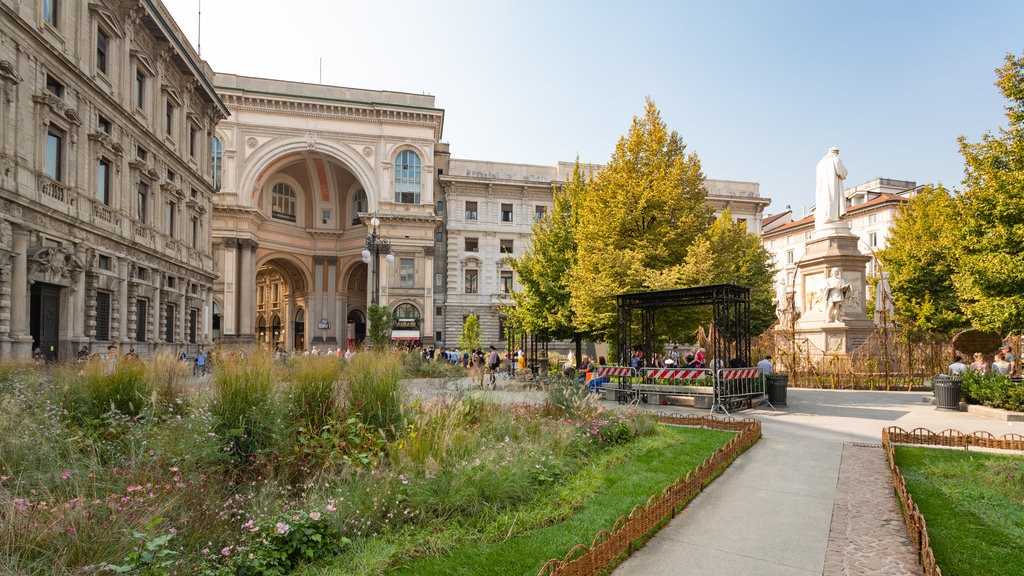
x=229 y=315
x=331 y=310
x=20 y=334
x=122 y=302
x=316 y=311
x=287 y=324
x=246 y=289
x=158 y=311
x=184 y=314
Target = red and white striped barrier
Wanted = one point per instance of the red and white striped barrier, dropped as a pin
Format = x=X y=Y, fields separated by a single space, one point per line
x=676 y=373
x=737 y=373
x=605 y=371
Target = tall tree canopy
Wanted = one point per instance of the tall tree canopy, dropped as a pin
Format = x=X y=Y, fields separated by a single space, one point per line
x=639 y=216
x=920 y=260
x=990 y=231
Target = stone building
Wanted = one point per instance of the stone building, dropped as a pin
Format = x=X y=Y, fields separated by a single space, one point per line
x=106 y=120
x=303 y=171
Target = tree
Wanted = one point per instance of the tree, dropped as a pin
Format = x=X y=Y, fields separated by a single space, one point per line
x=638 y=216
x=920 y=259
x=542 y=306
x=990 y=231
x=380 y=326
x=470 y=338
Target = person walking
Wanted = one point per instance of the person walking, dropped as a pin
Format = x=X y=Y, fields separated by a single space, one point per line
x=200 y=367
x=493 y=363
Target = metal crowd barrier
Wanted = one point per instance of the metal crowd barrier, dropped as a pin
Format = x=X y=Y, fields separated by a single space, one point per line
x=736 y=386
x=623 y=375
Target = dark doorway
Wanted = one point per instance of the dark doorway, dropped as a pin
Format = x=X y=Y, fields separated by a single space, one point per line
x=45 y=319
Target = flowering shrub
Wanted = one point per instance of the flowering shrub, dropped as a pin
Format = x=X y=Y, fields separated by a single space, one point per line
x=274 y=545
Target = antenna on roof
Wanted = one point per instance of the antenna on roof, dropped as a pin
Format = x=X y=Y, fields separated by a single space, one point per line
x=199 y=29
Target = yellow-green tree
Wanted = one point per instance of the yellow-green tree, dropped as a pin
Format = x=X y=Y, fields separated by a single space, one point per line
x=470 y=338
x=636 y=221
x=542 y=305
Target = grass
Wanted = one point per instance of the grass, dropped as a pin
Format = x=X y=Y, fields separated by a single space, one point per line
x=974 y=505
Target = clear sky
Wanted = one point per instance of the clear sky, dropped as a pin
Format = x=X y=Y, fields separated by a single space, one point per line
x=758 y=89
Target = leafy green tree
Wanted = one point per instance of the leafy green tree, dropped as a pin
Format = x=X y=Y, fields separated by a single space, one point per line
x=920 y=259
x=470 y=338
x=380 y=326
x=990 y=229
x=542 y=306
x=638 y=217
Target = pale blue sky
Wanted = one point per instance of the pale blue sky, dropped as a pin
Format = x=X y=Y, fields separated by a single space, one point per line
x=760 y=90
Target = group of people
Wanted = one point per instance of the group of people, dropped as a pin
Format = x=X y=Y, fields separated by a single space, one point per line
x=1004 y=362
x=695 y=358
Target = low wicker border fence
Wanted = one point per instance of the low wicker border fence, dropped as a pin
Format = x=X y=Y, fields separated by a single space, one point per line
x=912 y=517
x=629 y=530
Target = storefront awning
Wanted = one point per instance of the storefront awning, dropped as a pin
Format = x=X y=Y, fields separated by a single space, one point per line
x=405 y=334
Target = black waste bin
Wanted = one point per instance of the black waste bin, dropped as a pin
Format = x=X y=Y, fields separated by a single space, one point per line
x=777 y=384
x=947 y=392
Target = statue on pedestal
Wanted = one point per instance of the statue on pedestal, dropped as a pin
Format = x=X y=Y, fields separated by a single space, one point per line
x=833 y=294
x=830 y=204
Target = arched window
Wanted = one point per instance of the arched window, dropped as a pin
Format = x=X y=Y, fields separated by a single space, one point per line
x=407 y=178
x=217 y=151
x=359 y=204
x=406 y=311
x=283 y=202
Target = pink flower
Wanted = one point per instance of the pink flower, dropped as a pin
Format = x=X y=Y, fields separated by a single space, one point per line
x=65 y=475
x=225 y=551
x=331 y=508
x=281 y=528
x=314 y=515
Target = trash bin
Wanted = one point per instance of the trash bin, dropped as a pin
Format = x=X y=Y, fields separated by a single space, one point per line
x=947 y=392
x=777 y=384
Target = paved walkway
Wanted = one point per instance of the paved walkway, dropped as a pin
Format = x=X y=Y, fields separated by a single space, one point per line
x=812 y=497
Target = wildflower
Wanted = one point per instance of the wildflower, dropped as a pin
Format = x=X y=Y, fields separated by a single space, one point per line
x=65 y=475
x=281 y=528
x=314 y=515
x=331 y=508
x=174 y=468
x=225 y=551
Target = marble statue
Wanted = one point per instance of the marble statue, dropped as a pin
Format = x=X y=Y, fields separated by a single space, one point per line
x=830 y=203
x=833 y=294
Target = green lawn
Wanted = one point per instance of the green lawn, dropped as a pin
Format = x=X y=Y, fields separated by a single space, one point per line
x=618 y=489
x=973 y=503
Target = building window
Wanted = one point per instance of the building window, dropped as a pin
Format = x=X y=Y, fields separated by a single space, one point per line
x=142 y=273
x=51 y=11
x=439 y=234
x=102 y=315
x=193 y=324
x=104 y=262
x=103 y=182
x=55 y=153
x=808 y=235
x=789 y=239
x=472 y=285
x=506 y=281
x=140 y=320
x=283 y=202
x=103 y=125
x=471 y=213
x=440 y=206
x=142 y=203
x=140 y=90
x=407 y=178
x=193 y=141
x=216 y=154
x=873 y=239
x=506 y=212
x=406 y=272
x=54 y=87
x=789 y=257
x=171 y=176
x=102 y=43
x=872 y=218
x=359 y=204
x=539 y=212
x=438 y=280
x=172 y=209
x=141 y=153
x=193 y=234
x=169 y=323
x=506 y=246
x=438 y=311
x=773 y=243
x=472 y=245
x=169 y=118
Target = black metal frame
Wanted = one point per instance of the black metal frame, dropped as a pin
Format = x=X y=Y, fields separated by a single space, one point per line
x=730 y=319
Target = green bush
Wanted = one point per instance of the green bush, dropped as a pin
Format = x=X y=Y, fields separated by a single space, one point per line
x=376 y=394
x=314 y=383
x=994 y=390
x=244 y=408
x=101 y=388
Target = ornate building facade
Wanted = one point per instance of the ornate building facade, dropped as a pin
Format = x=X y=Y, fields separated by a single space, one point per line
x=304 y=170
x=106 y=124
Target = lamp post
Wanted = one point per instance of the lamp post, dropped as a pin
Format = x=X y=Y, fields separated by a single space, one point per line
x=375 y=244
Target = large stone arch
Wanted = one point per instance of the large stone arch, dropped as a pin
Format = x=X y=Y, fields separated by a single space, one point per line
x=263 y=161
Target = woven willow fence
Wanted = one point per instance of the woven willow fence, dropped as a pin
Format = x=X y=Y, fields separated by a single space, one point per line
x=916 y=526
x=629 y=530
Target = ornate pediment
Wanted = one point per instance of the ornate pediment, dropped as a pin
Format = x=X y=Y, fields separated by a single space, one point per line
x=110 y=22
x=8 y=73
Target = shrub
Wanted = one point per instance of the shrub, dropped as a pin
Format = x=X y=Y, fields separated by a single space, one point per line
x=376 y=394
x=568 y=399
x=100 y=388
x=246 y=415
x=995 y=390
x=313 y=389
x=169 y=378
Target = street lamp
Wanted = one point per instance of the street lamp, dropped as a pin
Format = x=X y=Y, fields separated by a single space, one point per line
x=375 y=244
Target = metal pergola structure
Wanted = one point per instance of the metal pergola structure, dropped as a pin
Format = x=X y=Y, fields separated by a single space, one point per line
x=730 y=320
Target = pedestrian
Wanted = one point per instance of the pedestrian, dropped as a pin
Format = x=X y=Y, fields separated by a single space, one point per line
x=765 y=365
x=493 y=363
x=83 y=354
x=958 y=366
x=200 y=366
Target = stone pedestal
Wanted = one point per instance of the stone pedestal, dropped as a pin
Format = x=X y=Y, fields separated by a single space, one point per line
x=833 y=246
